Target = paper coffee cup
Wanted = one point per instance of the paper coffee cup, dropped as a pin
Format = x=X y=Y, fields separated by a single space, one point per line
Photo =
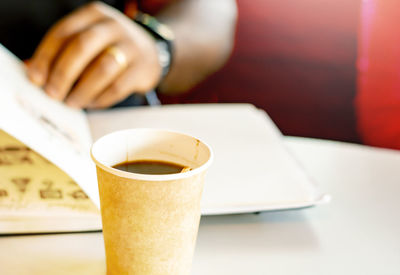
x=150 y=222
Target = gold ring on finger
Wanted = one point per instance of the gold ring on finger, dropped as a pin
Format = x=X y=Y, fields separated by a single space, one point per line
x=119 y=56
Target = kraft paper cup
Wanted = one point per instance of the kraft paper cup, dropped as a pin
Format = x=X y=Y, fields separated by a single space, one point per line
x=150 y=222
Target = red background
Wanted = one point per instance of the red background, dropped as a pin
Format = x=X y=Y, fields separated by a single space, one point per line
x=296 y=60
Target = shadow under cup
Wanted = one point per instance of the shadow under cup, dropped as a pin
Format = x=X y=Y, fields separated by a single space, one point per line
x=150 y=222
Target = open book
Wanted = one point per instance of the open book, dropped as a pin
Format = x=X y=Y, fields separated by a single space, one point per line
x=50 y=183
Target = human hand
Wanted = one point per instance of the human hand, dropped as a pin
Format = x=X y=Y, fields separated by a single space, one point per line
x=94 y=58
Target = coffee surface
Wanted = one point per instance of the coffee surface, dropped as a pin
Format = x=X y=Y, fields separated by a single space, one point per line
x=150 y=167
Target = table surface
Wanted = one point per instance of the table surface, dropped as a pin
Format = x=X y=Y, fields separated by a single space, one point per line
x=357 y=233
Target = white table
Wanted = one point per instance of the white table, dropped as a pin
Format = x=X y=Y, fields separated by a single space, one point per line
x=357 y=233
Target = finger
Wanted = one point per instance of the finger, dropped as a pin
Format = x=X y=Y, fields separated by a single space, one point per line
x=77 y=54
x=57 y=36
x=100 y=74
x=120 y=89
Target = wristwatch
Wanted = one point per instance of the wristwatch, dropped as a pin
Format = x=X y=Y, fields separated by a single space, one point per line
x=164 y=39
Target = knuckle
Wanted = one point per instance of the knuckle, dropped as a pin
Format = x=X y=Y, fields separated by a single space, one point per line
x=144 y=84
x=40 y=60
x=79 y=43
x=105 y=67
x=96 y=6
x=103 y=105
x=116 y=89
x=82 y=40
x=57 y=76
x=140 y=87
x=61 y=29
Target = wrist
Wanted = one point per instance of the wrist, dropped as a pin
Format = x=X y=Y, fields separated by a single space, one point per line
x=163 y=37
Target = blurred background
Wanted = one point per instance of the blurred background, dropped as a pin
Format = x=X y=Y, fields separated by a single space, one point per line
x=296 y=60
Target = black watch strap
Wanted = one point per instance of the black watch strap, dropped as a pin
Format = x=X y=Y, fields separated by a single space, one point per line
x=164 y=39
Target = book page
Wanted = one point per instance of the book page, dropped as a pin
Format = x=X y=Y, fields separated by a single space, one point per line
x=37 y=197
x=58 y=133
x=32 y=186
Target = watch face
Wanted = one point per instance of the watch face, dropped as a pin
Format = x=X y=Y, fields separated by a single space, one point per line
x=165 y=32
x=164 y=57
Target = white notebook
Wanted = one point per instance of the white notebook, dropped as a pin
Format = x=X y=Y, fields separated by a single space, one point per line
x=252 y=171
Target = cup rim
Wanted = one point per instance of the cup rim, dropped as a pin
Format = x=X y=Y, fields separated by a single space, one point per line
x=152 y=177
